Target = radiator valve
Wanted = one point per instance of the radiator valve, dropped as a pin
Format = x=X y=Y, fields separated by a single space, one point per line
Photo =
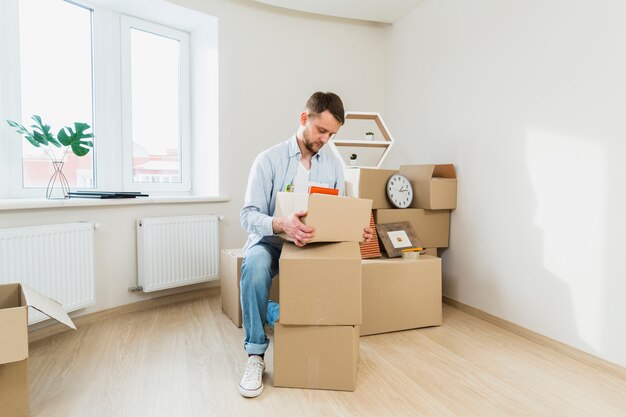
x=135 y=289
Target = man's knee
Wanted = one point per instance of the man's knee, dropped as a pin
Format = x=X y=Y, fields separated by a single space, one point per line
x=256 y=273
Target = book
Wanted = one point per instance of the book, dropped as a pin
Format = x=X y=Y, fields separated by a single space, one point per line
x=105 y=194
x=323 y=190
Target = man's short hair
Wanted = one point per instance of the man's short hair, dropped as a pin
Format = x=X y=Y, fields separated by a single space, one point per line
x=320 y=102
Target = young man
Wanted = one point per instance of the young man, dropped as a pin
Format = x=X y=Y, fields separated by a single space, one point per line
x=296 y=163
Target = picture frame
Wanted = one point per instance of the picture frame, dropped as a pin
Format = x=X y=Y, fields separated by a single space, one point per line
x=397 y=236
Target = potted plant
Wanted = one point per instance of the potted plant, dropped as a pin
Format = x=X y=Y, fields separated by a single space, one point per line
x=66 y=139
x=353 y=160
x=369 y=135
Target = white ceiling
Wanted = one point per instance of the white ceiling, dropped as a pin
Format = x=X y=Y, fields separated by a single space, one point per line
x=386 y=11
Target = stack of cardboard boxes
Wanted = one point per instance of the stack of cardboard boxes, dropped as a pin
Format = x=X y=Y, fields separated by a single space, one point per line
x=401 y=294
x=327 y=290
x=316 y=342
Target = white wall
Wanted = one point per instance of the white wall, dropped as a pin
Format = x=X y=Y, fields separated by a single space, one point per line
x=270 y=62
x=528 y=99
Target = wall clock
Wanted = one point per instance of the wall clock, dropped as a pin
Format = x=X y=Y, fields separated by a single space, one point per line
x=399 y=191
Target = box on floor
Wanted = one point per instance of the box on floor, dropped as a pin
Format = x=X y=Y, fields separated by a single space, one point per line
x=432 y=227
x=434 y=185
x=335 y=219
x=369 y=183
x=401 y=294
x=320 y=284
x=318 y=357
x=14 y=302
x=230 y=277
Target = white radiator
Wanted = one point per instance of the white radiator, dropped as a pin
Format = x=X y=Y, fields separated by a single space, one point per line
x=176 y=251
x=56 y=260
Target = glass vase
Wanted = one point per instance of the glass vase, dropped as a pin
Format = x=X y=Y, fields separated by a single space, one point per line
x=58 y=187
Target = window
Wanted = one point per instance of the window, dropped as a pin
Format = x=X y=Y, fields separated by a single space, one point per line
x=127 y=77
x=56 y=83
x=155 y=68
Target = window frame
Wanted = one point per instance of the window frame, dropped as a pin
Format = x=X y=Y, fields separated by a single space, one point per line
x=127 y=23
x=200 y=153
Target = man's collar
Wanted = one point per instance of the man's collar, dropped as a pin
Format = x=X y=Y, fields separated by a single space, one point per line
x=294 y=149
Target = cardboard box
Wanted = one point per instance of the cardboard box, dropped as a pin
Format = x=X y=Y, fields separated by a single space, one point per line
x=320 y=284
x=335 y=219
x=319 y=357
x=401 y=294
x=432 y=227
x=230 y=277
x=434 y=186
x=432 y=251
x=369 y=183
x=14 y=302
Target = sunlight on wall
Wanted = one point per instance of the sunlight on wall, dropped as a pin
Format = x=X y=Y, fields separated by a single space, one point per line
x=569 y=179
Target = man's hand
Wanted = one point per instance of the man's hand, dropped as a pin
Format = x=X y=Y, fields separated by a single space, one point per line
x=368 y=234
x=294 y=228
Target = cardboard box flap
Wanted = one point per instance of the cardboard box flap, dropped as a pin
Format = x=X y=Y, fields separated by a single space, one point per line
x=47 y=306
x=444 y=171
x=417 y=172
x=425 y=172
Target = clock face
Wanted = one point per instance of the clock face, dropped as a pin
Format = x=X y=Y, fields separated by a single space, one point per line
x=399 y=191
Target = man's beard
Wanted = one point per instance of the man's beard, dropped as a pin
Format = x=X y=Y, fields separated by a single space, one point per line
x=308 y=144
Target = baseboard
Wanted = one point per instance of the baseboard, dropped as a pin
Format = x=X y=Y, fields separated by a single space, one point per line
x=571 y=352
x=56 y=328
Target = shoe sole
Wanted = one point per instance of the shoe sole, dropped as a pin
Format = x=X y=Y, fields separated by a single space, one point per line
x=250 y=393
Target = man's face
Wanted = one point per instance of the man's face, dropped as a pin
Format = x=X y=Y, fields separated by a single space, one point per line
x=319 y=130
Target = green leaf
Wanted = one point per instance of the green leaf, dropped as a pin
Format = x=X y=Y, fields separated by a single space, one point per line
x=24 y=132
x=76 y=139
x=44 y=130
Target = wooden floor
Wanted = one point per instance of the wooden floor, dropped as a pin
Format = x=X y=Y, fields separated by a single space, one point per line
x=186 y=359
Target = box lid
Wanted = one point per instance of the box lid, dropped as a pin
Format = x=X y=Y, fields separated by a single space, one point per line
x=14 y=302
x=444 y=171
x=47 y=306
x=425 y=172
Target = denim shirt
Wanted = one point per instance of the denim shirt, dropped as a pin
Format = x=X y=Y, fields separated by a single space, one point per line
x=271 y=172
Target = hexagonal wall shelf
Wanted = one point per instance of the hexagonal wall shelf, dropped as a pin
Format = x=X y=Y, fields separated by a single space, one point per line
x=352 y=139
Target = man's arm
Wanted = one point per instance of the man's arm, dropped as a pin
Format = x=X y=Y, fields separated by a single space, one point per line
x=255 y=217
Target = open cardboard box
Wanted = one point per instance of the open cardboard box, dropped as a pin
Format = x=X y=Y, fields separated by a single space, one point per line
x=434 y=185
x=432 y=227
x=14 y=302
x=335 y=219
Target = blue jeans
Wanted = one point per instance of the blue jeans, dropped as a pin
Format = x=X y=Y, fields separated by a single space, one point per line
x=260 y=264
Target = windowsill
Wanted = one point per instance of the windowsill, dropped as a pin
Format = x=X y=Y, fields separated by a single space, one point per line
x=42 y=203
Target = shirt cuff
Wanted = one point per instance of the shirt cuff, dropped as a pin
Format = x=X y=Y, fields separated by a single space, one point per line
x=267 y=227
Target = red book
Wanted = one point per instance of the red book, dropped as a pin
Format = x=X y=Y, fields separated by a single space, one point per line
x=323 y=190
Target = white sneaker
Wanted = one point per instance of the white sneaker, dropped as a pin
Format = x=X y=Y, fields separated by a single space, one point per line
x=251 y=384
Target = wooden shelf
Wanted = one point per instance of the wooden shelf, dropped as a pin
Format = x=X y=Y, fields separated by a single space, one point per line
x=373 y=152
x=363 y=143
